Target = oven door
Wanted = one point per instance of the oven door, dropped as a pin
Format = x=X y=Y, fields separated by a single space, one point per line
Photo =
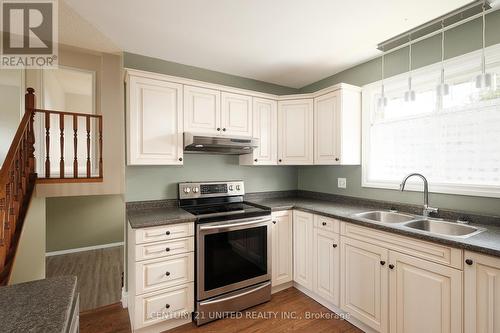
x=232 y=255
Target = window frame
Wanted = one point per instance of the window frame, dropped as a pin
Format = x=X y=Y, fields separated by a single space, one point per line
x=469 y=60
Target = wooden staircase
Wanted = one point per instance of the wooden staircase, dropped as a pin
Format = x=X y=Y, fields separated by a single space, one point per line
x=18 y=176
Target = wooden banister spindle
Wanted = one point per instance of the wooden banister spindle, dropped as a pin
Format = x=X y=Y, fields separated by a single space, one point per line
x=100 y=147
x=88 y=147
x=29 y=104
x=61 y=141
x=47 y=145
x=75 y=146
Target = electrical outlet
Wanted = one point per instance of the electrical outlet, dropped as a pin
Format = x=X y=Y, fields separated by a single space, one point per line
x=341 y=183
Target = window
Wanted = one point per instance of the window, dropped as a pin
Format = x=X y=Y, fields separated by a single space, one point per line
x=453 y=140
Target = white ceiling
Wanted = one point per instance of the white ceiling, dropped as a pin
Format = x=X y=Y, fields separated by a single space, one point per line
x=287 y=42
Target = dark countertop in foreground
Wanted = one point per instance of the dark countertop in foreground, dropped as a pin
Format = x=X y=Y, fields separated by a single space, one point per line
x=487 y=242
x=38 y=306
x=157 y=216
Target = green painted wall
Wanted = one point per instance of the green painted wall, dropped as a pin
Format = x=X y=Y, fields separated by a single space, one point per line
x=155 y=65
x=74 y=222
x=160 y=182
x=463 y=39
x=324 y=179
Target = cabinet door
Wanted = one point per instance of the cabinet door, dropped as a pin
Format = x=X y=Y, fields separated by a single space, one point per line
x=364 y=282
x=236 y=116
x=282 y=247
x=302 y=249
x=482 y=294
x=154 y=122
x=327 y=136
x=295 y=132
x=201 y=110
x=424 y=296
x=265 y=128
x=326 y=265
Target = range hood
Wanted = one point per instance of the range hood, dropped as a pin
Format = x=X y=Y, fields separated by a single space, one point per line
x=201 y=143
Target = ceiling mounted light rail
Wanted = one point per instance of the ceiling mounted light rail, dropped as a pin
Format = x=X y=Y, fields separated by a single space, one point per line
x=442 y=23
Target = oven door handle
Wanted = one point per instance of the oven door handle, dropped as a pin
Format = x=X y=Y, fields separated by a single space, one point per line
x=227 y=298
x=231 y=225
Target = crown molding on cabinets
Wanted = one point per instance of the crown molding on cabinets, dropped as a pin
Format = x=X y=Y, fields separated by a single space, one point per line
x=202 y=84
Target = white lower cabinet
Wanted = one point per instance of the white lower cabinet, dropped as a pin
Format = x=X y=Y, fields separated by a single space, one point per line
x=160 y=277
x=482 y=293
x=281 y=248
x=364 y=282
x=303 y=248
x=326 y=265
x=424 y=296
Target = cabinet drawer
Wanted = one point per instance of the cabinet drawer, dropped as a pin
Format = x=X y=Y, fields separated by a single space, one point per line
x=426 y=250
x=168 y=304
x=326 y=223
x=163 y=233
x=164 y=249
x=161 y=273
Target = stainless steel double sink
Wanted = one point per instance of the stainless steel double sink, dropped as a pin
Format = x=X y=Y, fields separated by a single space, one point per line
x=428 y=225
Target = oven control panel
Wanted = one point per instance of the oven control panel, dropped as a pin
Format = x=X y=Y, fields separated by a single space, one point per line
x=194 y=190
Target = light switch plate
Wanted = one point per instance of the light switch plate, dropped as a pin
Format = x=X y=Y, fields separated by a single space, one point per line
x=341 y=183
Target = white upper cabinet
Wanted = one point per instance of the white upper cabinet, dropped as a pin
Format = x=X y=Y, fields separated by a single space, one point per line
x=154 y=122
x=295 y=132
x=265 y=128
x=337 y=127
x=236 y=116
x=202 y=110
x=482 y=293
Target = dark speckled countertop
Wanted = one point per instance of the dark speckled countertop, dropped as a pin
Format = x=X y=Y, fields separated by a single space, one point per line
x=151 y=217
x=38 y=306
x=487 y=242
x=155 y=213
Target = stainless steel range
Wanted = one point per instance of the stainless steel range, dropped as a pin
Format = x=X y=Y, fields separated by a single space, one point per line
x=233 y=248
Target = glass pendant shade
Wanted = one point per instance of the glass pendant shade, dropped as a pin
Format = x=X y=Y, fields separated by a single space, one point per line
x=410 y=95
x=485 y=81
x=443 y=89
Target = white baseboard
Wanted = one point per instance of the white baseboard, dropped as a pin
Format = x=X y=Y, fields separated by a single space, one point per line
x=82 y=249
x=124 y=298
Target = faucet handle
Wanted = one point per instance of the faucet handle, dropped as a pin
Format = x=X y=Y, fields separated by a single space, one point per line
x=430 y=210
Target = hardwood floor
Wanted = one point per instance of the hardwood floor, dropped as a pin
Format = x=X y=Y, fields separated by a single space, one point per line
x=98 y=272
x=290 y=301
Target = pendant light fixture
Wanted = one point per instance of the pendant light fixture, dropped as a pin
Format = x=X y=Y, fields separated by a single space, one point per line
x=485 y=81
x=409 y=94
x=382 y=101
x=443 y=89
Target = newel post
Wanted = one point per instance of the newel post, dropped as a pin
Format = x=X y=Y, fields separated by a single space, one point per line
x=29 y=104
